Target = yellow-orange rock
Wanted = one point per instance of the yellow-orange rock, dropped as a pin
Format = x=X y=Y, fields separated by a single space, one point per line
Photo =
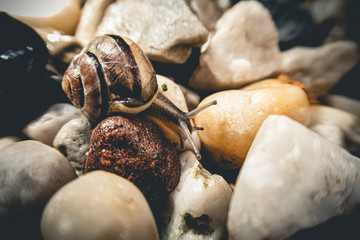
x=231 y=125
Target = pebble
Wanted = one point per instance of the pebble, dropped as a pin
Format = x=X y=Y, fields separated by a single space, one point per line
x=243 y=48
x=322 y=67
x=292 y=179
x=336 y=125
x=45 y=127
x=73 y=141
x=147 y=23
x=136 y=149
x=31 y=172
x=197 y=209
x=7 y=140
x=98 y=205
x=227 y=137
x=61 y=15
x=344 y=103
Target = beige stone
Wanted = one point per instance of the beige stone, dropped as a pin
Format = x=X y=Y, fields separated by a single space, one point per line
x=320 y=68
x=243 y=48
x=166 y=30
x=60 y=15
x=98 y=205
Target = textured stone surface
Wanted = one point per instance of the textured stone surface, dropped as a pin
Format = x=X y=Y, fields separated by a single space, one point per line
x=30 y=173
x=292 y=179
x=135 y=148
x=73 y=141
x=98 y=205
x=231 y=125
x=243 y=48
x=197 y=209
x=46 y=126
x=166 y=30
x=322 y=67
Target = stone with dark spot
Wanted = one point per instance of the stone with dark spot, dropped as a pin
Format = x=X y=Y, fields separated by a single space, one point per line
x=134 y=148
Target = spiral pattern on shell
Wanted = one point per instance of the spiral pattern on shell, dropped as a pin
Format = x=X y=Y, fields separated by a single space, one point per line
x=110 y=74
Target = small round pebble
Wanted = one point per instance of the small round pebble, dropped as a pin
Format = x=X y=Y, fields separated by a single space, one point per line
x=30 y=173
x=46 y=126
x=137 y=150
x=73 y=141
x=98 y=205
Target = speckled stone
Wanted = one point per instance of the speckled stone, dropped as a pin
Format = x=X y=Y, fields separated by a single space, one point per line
x=73 y=141
x=45 y=127
x=136 y=149
x=30 y=173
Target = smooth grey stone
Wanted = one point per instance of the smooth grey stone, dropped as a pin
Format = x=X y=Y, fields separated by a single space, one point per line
x=30 y=173
x=73 y=141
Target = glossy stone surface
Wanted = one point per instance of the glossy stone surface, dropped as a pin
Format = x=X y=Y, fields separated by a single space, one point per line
x=98 y=205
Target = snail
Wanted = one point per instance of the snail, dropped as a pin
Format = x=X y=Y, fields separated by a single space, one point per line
x=113 y=75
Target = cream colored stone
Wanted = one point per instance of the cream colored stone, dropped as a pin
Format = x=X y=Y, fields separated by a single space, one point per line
x=166 y=30
x=197 y=208
x=91 y=15
x=7 y=140
x=98 y=205
x=231 y=125
x=335 y=124
x=243 y=48
x=292 y=179
x=320 y=68
x=62 y=15
x=343 y=102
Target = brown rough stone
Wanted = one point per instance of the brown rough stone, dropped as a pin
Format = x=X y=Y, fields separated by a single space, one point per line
x=134 y=148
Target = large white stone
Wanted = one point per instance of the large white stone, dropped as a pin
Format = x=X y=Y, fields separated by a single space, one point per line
x=243 y=48
x=292 y=179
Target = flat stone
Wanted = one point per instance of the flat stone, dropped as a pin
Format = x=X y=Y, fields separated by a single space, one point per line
x=320 y=68
x=243 y=48
x=166 y=30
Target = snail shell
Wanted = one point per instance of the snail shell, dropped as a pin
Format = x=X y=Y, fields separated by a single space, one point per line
x=105 y=77
x=112 y=75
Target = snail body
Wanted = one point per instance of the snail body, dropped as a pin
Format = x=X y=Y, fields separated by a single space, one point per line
x=113 y=75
